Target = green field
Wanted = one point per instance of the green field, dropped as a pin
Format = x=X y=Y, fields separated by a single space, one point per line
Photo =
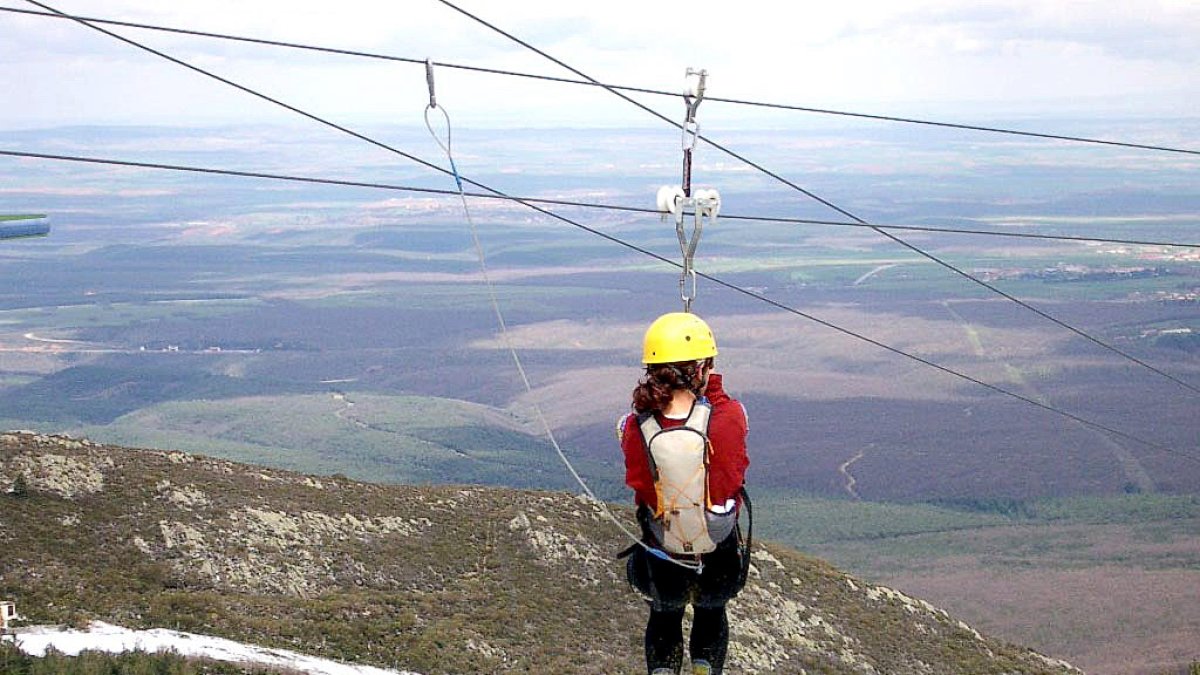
x=91 y=315
x=812 y=521
x=389 y=439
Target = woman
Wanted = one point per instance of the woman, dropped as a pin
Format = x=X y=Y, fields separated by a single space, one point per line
x=688 y=511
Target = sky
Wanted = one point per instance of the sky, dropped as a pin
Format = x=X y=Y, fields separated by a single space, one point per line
x=955 y=59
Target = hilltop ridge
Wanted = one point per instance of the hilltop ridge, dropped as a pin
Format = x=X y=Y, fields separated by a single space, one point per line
x=435 y=579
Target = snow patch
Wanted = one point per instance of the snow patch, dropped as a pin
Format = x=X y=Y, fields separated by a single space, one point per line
x=115 y=639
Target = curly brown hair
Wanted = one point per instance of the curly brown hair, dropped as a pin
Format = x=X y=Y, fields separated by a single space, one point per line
x=654 y=391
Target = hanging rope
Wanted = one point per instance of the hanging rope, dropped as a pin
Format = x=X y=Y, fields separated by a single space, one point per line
x=507 y=340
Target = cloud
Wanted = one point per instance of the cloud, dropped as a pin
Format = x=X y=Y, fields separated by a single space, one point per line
x=877 y=55
x=1143 y=30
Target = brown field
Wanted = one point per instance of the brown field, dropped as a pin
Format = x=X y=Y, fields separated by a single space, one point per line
x=1111 y=599
x=818 y=398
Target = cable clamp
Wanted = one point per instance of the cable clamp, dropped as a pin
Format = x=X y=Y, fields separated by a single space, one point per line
x=693 y=94
x=429 y=81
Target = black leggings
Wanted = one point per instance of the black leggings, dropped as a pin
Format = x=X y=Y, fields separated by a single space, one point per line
x=709 y=640
x=670 y=589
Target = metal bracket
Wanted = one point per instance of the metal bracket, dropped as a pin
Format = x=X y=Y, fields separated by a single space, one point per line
x=704 y=206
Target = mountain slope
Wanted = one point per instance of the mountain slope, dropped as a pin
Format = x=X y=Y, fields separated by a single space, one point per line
x=432 y=579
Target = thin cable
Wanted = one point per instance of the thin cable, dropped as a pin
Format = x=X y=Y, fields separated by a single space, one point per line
x=561 y=202
x=958 y=230
x=529 y=205
x=645 y=252
x=512 y=350
x=949 y=371
x=641 y=90
x=835 y=207
x=248 y=90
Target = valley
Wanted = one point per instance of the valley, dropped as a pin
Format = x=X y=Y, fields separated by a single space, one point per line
x=344 y=332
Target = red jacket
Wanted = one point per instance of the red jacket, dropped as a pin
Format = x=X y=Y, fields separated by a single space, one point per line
x=727 y=429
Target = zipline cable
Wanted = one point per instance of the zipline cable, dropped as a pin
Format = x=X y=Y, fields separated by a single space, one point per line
x=923 y=253
x=628 y=88
x=507 y=338
x=610 y=237
x=956 y=230
x=569 y=202
x=644 y=251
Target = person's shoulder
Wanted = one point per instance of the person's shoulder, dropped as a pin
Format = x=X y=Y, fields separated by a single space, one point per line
x=626 y=421
x=729 y=407
x=726 y=407
x=716 y=394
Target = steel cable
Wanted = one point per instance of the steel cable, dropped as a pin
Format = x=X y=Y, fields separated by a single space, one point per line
x=923 y=253
x=644 y=251
x=597 y=232
x=640 y=90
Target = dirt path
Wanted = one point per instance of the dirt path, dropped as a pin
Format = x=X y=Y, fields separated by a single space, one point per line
x=851 y=481
x=345 y=413
x=35 y=338
x=1134 y=472
x=872 y=273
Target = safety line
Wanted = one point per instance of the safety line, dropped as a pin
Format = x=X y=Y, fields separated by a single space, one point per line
x=923 y=253
x=651 y=254
x=512 y=349
x=640 y=90
x=569 y=202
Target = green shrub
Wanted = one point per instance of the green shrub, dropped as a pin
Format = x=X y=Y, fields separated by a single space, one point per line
x=20 y=487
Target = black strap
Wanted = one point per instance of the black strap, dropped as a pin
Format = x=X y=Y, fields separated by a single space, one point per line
x=749 y=542
x=749 y=518
x=643 y=517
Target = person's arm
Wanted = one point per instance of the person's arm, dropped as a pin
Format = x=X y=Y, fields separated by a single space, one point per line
x=729 y=460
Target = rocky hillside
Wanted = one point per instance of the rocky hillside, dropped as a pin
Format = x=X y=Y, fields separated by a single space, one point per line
x=431 y=579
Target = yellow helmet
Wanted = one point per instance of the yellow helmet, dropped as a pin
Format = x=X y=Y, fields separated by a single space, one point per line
x=678 y=336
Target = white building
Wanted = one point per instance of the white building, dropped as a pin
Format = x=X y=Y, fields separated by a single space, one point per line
x=8 y=612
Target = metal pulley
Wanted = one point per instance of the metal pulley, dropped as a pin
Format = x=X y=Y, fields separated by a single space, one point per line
x=679 y=201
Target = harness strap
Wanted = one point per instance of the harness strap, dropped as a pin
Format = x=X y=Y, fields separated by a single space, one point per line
x=748 y=543
x=697 y=420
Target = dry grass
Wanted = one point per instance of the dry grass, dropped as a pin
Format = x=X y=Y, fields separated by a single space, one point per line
x=1112 y=599
x=433 y=579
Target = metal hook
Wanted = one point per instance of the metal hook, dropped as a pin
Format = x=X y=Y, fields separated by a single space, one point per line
x=694 y=95
x=687 y=246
